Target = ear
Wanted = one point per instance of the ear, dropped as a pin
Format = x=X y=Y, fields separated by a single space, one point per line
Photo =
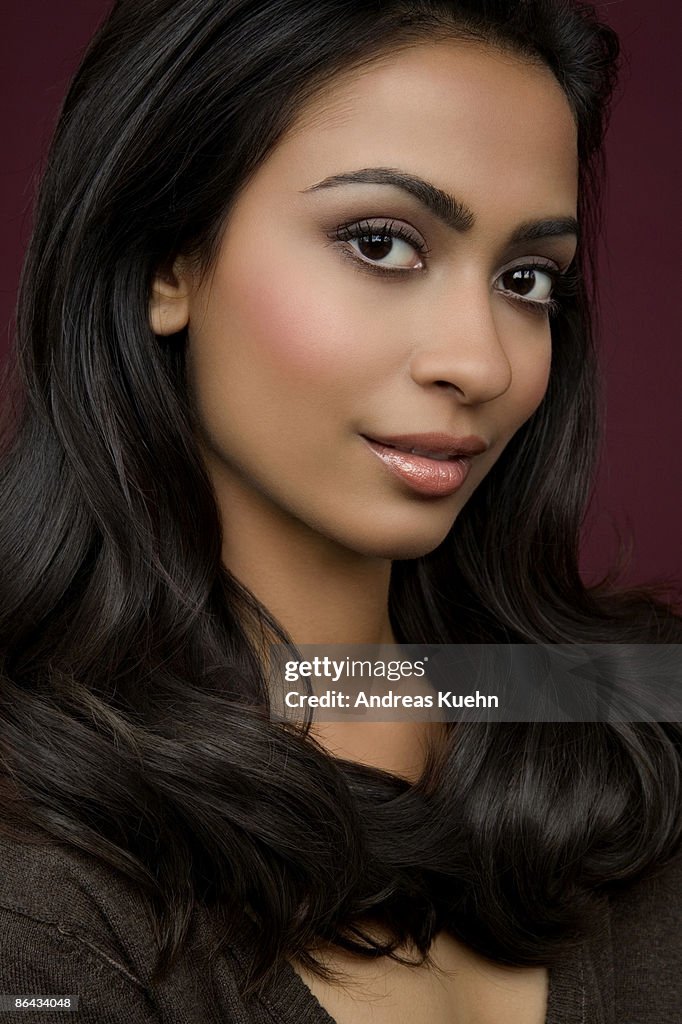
x=169 y=299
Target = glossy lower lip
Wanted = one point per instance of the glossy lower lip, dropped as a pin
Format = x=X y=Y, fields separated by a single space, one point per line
x=433 y=477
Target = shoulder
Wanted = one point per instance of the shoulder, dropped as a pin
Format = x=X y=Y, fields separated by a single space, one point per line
x=650 y=910
x=57 y=937
x=58 y=885
x=70 y=924
x=646 y=934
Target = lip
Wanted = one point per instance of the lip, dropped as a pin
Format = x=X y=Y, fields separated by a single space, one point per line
x=436 y=442
x=431 y=477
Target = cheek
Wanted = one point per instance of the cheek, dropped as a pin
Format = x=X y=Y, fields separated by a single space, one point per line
x=538 y=376
x=530 y=377
x=293 y=327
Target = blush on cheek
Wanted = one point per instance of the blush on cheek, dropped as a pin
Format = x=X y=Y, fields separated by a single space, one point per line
x=294 y=327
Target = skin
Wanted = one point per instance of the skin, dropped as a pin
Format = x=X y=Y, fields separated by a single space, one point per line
x=295 y=350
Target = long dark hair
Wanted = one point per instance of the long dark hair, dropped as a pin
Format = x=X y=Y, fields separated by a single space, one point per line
x=133 y=712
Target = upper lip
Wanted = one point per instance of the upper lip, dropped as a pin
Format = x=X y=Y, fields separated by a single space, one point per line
x=436 y=442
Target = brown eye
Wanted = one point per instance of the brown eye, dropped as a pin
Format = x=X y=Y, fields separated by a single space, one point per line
x=375 y=247
x=378 y=247
x=528 y=282
x=386 y=247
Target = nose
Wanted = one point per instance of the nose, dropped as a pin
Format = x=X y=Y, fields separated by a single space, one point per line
x=462 y=350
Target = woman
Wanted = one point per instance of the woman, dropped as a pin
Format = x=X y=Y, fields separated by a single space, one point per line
x=275 y=243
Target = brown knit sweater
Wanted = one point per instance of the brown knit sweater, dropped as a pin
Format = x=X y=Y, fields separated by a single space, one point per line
x=69 y=926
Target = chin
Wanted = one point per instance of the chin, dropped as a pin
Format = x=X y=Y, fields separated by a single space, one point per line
x=397 y=545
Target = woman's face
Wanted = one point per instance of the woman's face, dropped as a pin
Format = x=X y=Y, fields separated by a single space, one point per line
x=304 y=342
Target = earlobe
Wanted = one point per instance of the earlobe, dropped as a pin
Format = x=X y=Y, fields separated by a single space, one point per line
x=169 y=300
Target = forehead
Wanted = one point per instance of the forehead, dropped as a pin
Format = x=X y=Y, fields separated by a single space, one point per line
x=492 y=126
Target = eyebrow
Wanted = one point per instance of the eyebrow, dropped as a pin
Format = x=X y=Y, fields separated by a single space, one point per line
x=446 y=208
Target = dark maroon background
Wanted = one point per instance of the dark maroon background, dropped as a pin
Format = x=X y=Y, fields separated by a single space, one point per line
x=639 y=489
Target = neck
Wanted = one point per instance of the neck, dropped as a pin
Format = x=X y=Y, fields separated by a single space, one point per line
x=320 y=592
x=323 y=593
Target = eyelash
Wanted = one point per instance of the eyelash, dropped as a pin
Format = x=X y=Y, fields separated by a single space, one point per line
x=563 y=282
